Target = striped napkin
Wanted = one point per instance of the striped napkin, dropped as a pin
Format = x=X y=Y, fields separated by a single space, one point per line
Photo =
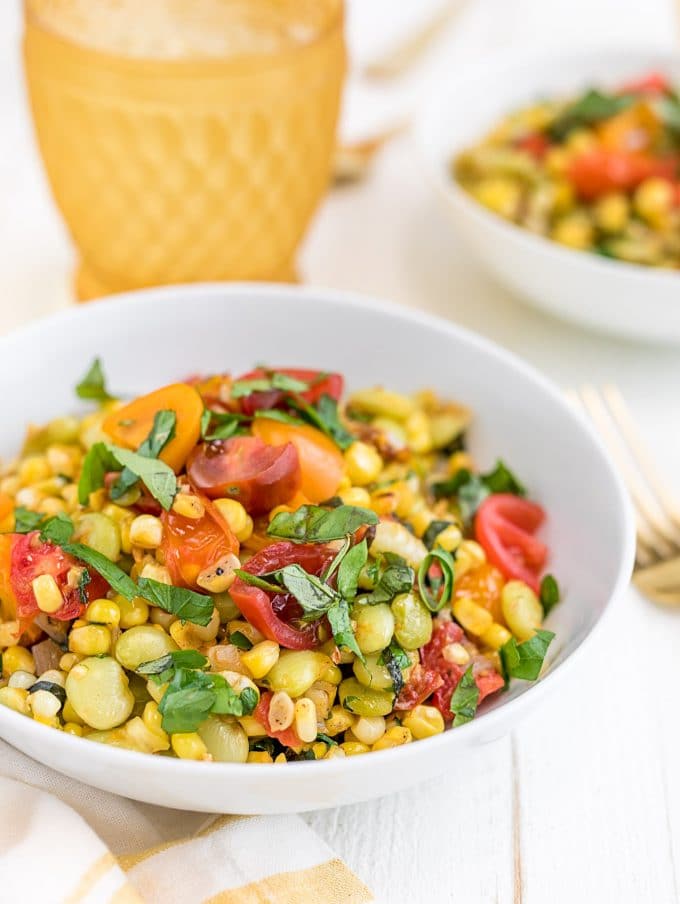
x=68 y=843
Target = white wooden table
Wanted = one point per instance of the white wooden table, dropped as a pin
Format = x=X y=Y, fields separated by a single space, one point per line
x=582 y=803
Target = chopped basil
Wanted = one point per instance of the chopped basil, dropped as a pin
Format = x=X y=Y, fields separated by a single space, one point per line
x=311 y=592
x=326 y=740
x=193 y=695
x=472 y=489
x=158 y=477
x=324 y=416
x=434 y=529
x=162 y=431
x=52 y=687
x=83 y=581
x=436 y=589
x=96 y=464
x=57 y=529
x=549 y=594
x=591 y=107
x=394 y=577
x=275 y=414
x=525 y=660
x=26 y=521
x=186 y=604
x=93 y=385
x=225 y=424
x=312 y=524
x=350 y=568
x=163 y=669
x=273 y=380
x=239 y=639
x=115 y=576
x=256 y=581
x=341 y=626
x=464 y=699
x=395 y=661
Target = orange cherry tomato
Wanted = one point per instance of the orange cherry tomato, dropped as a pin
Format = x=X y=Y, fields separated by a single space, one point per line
x=483 y=584
x=321 y=462
x=634 y=129
x=191 y=545
x=600 y=171
x=130 y=425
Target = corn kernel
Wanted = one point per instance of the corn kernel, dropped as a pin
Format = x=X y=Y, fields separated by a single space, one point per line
x=9 y=632
x=15 y=698
x=189 y=746
x=132 y=612
x=281 y=758
x=319 y=750
x=188 y=506
x=420 y=521
x=612 y=212
x=54 y=676
x=522 y=610
x=69 y=714
x=73 y=728
x=245 y=628
x=335 y=752
x=17 y=659
x=419 y=432
x=363 y=462
x=252 y=727
x=501 y=194
x=47 y=593
x=146 y=531
x=450 y=538
x=68 y=660
x=424 y=722
x=393 y=737
x=21 y=679
x=33 y=469
x=51 y=506
x=581 y=140
x=260 y=658
x=305 y=720
x=575 y=230
x=103 y=612
x=356 y=496
x=495 y=636
x=218 y=577
x=239 y=521
x=259 y=756
x=43 y=704
x=468 y=556
x=653 y=201
x=63 y=459
x=338 y=721
x=29 y=498
x=90 y=640
x=354 y=748
x=471 y=616
x=369 y=729
x=456 y=653
x=155 y=572
x=460 y=461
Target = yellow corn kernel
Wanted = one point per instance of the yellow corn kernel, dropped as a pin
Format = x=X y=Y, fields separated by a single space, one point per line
x=117 y=513
x=146 y=531
x=70 y=496
x=332 y=673
x=495 y=636
x=382 y=402
x=29 y=498
x=356 y=496
x=245 y=628
x=305 y=720
x=188 y=506
x=68 y=660
x=522 y=610
x=557 y=160
x=338 y=721
x=90 y=640
x=354 y=748
x=51 y=506
x=653 y=201
x=363 y=462
x=252 y=727
x=260 y=658
x=319 y=750
x=239 y=521
x=155 y=572
x=420 y=521
x=562 y=196
x=502 y=194
x=125 y=541
x=15 y=698
x=132 y=612
x=281 y=711
x=281 y=758
x=450 y=538
x=259 y=756
x=98 y=500
x=9 y=485
x=21 y=679
x=612 y=212
x=189 y=746
x=9 y=632
x=335 y=752
x=456 y=653
x=393 y=737
x=575 y=230
x=469 y=555
x=33 y=469
x=471 y=616
x=321 y=698
x=17 y=659
x=369 y=729
x=390 y=536
x=218 y=577
x=581 y=140
x=424 y=722
x=73 y=728
x=419 y=432
x=460 y=461
x=43 y=704
x=63 y=459
x=189 y=636
x=47 y=593
x=69 y=714
x=103 y=612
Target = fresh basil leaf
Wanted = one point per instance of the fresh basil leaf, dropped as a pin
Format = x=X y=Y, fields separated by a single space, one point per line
x=187 y=701
x=83 y=581
x=525 y=660
x=186 y=604
x=162 y=431
x=395 y=660
x=229 y=702
x=472 y=489
x=434 y=529
x=273 y=380
x=275 y=414
x=341 y=626
x=550 y=593
x=326 y=740
x=464 y=699
x=26 y=521
x=256 y=581
x=249 y=700
x=350 y=568
x=178 y=659
x=324 y=416
x=93 y=385
x=394 y=577
x=57 y=529
x=206 y=417
x=51 y=687
x=339 y=556
x=452 y=485
x=502 y=480
x=96 y=465
x=314 y=596
x=158 y=478
x=239 y=639
x=435 y=590
x=312 y=524
x=112 y=574
x=225 y=424
x=593 y=106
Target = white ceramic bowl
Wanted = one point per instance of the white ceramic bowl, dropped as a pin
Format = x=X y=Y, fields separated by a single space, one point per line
x=607 y=295
x=150 y=338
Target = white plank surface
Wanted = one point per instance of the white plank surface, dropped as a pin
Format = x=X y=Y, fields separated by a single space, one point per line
x=583 y=802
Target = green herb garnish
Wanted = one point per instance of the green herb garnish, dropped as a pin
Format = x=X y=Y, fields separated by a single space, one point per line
x=313 y=524
x=186 y=604
x=592 y=107
x=52 y=687
x=112 y=574
x=26 y=521
x=158 y=477
x=193 y=695
x=162 y=431
x=464 y=699
x=472 y=489
x=96 y=465
x=273 y=380
x=163 y=669
x=436 y=590
x=525 y=660
x=93 y=384
x=394 y=577
x=239 y=639
x=549 y=593
x=395 y=660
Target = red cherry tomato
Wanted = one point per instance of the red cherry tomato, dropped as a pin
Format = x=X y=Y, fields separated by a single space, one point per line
x=258 y=475
x=504 y=526
x=422 y=683
x=320 y=383
x=654 y=83
x=272 y=614
x=535 y=143
x=192 y=544
x=601 y=171
x=288 y=737
x=31 y=558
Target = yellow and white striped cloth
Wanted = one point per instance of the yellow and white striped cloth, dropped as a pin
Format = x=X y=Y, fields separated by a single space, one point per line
x=67 y=843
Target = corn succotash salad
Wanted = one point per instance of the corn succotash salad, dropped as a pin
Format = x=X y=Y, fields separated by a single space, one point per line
x=599 y=172
x=254 y=570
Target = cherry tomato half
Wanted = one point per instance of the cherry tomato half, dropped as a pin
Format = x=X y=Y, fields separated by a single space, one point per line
x=601 y=171
x=504 y=526
x=288 y=737
x=535 y=143
x=272 y=614
x=245 y=468
x=422 y=683
x=319 y=383
x=31 y=558
x=653 y=83
x=192 y=544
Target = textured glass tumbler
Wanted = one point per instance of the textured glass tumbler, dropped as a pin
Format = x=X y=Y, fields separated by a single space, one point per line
x=171 y=171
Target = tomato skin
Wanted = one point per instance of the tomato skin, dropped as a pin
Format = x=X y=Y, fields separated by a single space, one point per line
x=422 y=683
x=288 y=737
x=654 y=83
x=483 y=584
x=271 y=614
x=321 y=463
x=331 y=384
x=244 y=468
x=192 y=544
x=535 y=143
x=601 y=171
x=31 y=558
x=504 y=527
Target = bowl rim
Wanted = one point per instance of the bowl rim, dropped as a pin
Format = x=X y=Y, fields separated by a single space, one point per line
x=435 y=163
x=185 y=769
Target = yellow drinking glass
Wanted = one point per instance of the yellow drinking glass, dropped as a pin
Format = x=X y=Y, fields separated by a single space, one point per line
x=203 y=160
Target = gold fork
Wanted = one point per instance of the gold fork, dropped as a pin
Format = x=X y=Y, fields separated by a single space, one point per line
x=657 y=559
